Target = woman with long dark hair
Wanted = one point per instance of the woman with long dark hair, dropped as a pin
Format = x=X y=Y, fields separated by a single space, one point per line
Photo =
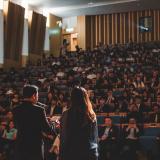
x=79 y=134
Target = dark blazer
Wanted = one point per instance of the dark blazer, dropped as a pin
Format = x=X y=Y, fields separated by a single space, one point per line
x=112 y=133
x=30 y=121
x=152 y=118
x=78 y=143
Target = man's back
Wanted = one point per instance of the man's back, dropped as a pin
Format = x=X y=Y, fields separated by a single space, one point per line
x=30 y=122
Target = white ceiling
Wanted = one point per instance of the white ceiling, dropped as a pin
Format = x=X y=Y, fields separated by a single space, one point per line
x=67 y=8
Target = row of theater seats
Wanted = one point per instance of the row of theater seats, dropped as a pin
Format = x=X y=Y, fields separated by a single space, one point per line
x=150 y=131
x=148 y=139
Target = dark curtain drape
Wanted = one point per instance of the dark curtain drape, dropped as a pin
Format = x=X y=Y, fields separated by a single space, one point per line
x=13 y=32
x=37 y=33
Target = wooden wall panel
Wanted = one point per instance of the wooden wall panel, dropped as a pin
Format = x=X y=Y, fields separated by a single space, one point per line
x=135 y=27
x=143 y=35
x=154 y=13
x=88 y=31
x=107 y=30
x=120 y=28
x=93 y=32
x=158 y=24
x=150 y=32
x=102 y=28
x=110 y=29
x=127 y=27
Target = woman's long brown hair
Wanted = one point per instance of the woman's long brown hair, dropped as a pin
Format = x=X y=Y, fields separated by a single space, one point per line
x=81 y=103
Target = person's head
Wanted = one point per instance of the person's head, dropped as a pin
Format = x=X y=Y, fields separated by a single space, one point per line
x=30 y=93
x=132 y=121
x=15 y=99
x=61 y=96
x=134 y=108
x=54 y=101
x=81 y=103
x=156 y=108
x=11 y=124
x=108 y=121
x=9 y=115
x=109 y=93
x=158 y=98
x=50 y=95
x=101 y=101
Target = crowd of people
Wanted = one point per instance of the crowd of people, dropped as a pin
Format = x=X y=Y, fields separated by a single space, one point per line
x=118 y=78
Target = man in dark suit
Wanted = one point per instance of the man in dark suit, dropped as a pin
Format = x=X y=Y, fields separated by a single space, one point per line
x=131 y=134
x=154 y=117
x=108 y=141
x=30 y=121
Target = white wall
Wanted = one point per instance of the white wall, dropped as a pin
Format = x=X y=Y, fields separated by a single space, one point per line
x=1 y=38
x=1 y=4
x=69 y=22
x=46 y=42
x=25 y=38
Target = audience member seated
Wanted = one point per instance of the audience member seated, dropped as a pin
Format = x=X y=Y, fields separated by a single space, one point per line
x=101 y=106
x=131 y=134
x=110 y=101
x=134 y=113
x=2 y=129
x=158 y=99
x=54 y=107
x=9 y=136
x=108 y=141
x=138 y=83
x=154 y=117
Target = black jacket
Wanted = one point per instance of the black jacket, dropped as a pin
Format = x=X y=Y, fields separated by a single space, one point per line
x=78 y=142
x=152 y=118
x=112 y=133
x=30 y=121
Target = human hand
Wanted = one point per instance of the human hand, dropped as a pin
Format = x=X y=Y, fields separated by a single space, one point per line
x=50 y=137
x=104 y=137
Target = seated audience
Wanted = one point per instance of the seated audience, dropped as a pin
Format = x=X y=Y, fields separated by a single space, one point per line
x=131 y=144
x=119 y=77
x=54 y=107
x=134 y=113
x=109 y=141
x=154 y=117
x=2 y=129
x=9 y=136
